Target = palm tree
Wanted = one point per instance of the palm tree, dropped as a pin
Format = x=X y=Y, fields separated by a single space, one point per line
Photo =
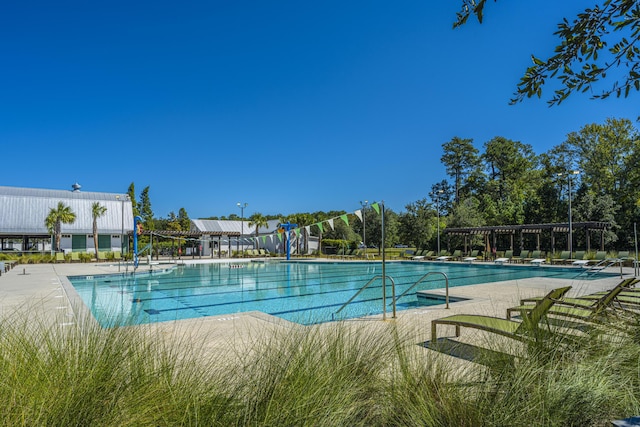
x=304 y=219
x=318 y=218
x=97 y=210
x=62 y=214
x=258 y=220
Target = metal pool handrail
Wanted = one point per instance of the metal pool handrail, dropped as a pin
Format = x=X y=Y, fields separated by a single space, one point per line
x=384 y=309
x=600 y=266
x=446 y=279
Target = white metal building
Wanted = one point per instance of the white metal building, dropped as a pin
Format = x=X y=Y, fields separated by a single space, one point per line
x=242 y=236
x=23 y=212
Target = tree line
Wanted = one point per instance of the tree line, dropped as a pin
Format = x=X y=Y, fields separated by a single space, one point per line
x=594 y=169
x=503 y=182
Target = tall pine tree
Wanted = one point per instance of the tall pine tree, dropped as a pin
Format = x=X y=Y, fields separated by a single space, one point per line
x=146 y=212
x=132 y=196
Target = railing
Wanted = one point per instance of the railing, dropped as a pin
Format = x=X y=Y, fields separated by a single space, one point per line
x=384 y=308
x=601 y=266
x=143 y=250
x=446 y=279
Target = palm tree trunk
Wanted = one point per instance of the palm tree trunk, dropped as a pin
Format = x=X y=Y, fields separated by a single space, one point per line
x=305 y=243
x=95 y=236
x=58 y=235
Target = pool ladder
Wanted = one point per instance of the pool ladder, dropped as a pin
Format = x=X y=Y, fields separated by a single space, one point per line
x=605 y=263
x=393 y=292
x=384 y=308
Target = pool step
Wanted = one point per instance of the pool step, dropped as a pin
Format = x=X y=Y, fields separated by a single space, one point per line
x=435 y=298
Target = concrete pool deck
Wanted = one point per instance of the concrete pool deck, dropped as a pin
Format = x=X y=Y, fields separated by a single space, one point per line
x=45 y=291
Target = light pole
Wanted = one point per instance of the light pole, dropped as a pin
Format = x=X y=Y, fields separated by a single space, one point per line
x=241 y=206
x=364 y=224
x=568 y=174
x=122 y=200
x=437 y=194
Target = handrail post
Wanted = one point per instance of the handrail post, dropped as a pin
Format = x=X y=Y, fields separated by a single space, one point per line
x=620 y=261
x=446 y=292
x=384 y=299
x=393 y=296
x=384 y=271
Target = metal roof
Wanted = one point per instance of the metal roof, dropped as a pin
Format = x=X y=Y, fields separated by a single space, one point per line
x=23 y=211
x=230 y=226
x=221 y=226
x=61 y=194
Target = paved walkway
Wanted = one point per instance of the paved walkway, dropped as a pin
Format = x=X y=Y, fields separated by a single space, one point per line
x=44 y=289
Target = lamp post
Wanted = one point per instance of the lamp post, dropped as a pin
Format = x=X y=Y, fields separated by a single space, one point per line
x=122 y=200
x=241 y=206
x=364 y=224
x=437 y=194
x=568 y=174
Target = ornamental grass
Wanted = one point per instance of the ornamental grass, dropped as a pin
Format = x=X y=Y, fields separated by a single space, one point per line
x=325 y=375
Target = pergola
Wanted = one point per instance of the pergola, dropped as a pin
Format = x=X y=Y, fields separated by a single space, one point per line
x=491 y=232
x=194 y=236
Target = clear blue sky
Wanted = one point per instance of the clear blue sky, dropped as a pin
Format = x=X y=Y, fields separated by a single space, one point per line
x=288 y=106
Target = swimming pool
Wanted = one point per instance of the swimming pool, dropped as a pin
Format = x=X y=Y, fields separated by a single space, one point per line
x=302 y=292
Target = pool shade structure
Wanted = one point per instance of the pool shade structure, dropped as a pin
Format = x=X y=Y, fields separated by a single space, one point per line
x=491 y=232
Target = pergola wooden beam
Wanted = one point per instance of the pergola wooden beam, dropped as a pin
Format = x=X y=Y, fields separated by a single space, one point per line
x=494 y=230
x=175 y=233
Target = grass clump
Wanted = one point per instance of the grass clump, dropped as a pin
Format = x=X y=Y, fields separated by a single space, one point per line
x=327 y=375
x=86 y=375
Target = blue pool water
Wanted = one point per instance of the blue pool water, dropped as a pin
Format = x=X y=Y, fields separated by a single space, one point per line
x=302 y=292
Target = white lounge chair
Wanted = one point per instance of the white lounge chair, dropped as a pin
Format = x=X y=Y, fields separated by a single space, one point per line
x=419 y=255
x=538 y=261
x=469 y=259
x=501 y=260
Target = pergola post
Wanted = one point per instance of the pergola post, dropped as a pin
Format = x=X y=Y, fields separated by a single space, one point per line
x=494 y=248
x=521 y=241
x=487 y=249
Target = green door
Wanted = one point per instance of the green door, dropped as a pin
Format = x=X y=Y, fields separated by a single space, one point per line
x=104 y=242
x=79 y=242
